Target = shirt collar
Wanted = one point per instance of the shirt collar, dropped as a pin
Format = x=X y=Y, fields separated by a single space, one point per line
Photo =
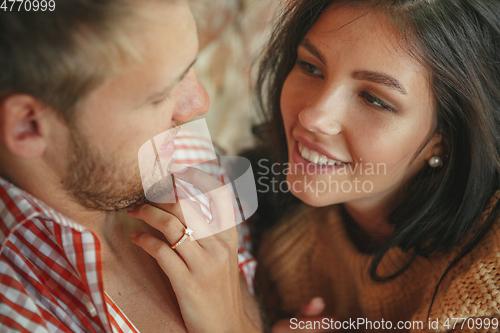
x=80 y=246
x=18 y=206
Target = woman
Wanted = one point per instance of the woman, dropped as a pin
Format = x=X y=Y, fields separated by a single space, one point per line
x=385 y=117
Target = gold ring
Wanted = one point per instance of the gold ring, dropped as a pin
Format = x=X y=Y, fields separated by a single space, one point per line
x=187 y=232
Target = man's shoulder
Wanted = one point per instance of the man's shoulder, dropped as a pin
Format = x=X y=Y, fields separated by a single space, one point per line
x=18 y=310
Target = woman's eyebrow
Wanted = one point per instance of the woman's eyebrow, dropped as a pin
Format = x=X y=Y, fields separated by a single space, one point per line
x=375 y=77
x=306 y=43
x=381 y=78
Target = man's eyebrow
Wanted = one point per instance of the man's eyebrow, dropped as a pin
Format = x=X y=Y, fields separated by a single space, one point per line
x=167 y=90
x=314 y=51
x=380 y=78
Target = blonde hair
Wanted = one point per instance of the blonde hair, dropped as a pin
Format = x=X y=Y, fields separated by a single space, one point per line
x=59 y=57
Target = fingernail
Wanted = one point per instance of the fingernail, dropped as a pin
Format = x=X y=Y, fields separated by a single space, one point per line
x=134 y=234
x=318 y=301
x=177 y=168
x=131 y=208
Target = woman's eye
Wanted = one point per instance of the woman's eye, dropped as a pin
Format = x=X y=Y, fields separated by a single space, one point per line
x=375 y=101
x=309 y=69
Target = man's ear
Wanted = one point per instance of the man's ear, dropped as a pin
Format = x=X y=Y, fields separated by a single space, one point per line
x=21 y=128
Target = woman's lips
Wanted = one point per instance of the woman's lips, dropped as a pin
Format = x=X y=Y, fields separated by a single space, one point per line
x=315 y=147
x=312 y=168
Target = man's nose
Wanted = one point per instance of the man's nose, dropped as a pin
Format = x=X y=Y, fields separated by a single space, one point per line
x=192 y=99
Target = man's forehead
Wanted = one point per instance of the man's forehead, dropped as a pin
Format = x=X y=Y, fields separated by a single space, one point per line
x=163 y=47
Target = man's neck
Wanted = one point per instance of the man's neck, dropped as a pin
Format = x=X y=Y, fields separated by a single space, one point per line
x=46 y=186
x=130 y=276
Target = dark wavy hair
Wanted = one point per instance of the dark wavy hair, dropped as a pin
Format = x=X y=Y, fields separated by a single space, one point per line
x=458 y=41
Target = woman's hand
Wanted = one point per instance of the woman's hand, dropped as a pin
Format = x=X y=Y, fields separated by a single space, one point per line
x=204 y=272
x=309 y=312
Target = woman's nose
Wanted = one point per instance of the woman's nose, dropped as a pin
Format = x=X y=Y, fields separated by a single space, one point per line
x=325 y=114
x=320 y=121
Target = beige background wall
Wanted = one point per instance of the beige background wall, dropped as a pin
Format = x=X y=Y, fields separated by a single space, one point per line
x=232 y=34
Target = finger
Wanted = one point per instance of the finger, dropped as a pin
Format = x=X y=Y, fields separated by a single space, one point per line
x=227 y=233
x=289 y=326
x=172 y=208
x=204 y=233
x=221 y=202
x=314 y=308
x=219 y=223
x=168 y=225
x=169 y=261
x=203 y=181
x=175 y=208
x=195 y=219
x=181 y=194
x=229 y=237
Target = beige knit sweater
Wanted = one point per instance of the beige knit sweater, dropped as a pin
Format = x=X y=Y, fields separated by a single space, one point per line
x=311 y=255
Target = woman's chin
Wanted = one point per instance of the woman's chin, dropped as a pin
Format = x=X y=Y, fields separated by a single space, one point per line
x=317 y=199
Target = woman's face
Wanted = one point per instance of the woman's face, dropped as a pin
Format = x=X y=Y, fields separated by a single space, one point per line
x=357 y=109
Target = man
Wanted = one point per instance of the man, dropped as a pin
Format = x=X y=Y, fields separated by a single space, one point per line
x=81 y=89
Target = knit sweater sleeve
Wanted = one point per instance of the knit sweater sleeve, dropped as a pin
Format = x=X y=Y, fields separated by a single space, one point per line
x=469 y=298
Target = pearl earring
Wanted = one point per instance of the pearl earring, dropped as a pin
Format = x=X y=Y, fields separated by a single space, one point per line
x=435 y=161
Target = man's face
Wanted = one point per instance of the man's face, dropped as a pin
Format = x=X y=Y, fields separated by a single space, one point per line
x=144 y=99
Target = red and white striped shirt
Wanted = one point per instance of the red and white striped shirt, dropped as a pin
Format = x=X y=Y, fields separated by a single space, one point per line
x=50 y=266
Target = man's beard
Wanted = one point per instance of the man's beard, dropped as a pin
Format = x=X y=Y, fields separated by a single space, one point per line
x=99 y=181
